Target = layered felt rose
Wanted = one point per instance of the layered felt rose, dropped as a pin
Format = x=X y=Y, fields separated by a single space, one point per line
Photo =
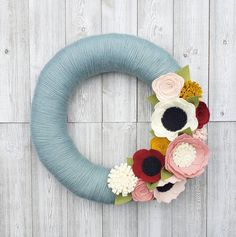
x=141 y=193
x=168 y=86
x=169 y=189
x=186 y=157
x=147 y=165
x=171 y=117
x=202 y=114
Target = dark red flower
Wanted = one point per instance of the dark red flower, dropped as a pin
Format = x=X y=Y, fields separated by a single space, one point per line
x=202 y=114
x=148 y=164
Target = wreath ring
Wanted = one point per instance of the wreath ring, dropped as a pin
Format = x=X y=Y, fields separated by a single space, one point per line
x=79 y=61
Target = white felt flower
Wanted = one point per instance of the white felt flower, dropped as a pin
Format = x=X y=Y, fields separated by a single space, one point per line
x=168 y=86
x=122 y=180
x=169 y=189
x=173 y=116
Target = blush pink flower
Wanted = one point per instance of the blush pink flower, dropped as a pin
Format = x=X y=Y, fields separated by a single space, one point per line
x=168 y=86
x=186 y=157
x=141 y=192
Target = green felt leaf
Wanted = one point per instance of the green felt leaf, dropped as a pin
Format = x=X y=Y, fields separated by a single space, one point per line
x=194 y=100
x=152 y=186
x=130 y=161
x=165 y=174
x=153 y=100
x=186 y=131
x=152 y=133
x=119 y=200
x=184 y=72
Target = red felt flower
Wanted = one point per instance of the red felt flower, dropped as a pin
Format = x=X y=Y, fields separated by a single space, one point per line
x=148 y=164
x=202 y=114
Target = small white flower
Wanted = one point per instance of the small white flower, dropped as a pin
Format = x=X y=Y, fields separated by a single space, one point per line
x=173 y=116
x=122 y=180
x=201 y=134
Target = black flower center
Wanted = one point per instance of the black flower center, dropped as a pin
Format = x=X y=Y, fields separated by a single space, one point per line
x=151 y=166
x=165 y=188
x=174 y=119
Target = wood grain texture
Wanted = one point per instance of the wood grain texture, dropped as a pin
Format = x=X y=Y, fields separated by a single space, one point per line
x=14 y=61
x=118 y=144
x=119 y=91
x=154 y=219
x=83 y=18
x=191 y=47
x=84 y=216
x=47 y=36
x=221 y=209
x=155 y=23
x=15 y=181
x=222 y=60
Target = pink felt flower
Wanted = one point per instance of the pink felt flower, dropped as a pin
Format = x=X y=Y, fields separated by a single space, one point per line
x=200 y=134
x=186 y=157
x=141 y=193
x=168 y=86
x=169 y=189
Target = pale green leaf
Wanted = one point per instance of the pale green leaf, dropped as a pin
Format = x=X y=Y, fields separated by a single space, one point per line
x=184 y=72
x=186 y=131
x=130 y=161
x=119 y=200
x=165 y=174
x=152 y=186
x=152 y=133
x=153 y=100
x=194 y=100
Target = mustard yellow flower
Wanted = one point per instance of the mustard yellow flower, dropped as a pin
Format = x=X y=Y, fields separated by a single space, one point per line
x=190 y=89
x=160 y=144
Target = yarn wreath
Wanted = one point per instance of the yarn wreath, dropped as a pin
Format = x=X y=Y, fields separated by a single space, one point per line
x=177 y=150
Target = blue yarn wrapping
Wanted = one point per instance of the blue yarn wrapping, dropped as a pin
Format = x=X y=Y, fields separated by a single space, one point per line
x=79 y=61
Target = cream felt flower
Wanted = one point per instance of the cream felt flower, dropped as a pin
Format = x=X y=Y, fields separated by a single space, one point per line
x=168 y=86
x=122 y=180
x=169 y=189
x=173 y=116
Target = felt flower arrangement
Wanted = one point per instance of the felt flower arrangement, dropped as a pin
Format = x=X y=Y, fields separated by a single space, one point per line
x=177 y=150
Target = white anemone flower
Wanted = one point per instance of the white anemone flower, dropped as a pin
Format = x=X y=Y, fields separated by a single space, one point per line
x=173 y=116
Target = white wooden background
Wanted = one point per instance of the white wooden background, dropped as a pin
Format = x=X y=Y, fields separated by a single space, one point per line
x=113 y=116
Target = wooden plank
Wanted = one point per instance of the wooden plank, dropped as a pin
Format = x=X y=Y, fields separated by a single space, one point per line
x=83 y=18
x=14 y=61
x=15 y=181
x=154 y=219
x=47 y=36
x=222 y=60
x=191 y=20
x=84 y=216
x=119 y=142
x=221 y=195
x=155 y=23
x=119 y=91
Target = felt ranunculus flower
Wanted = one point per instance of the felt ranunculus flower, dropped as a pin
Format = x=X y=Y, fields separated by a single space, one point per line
x=202 y=114
x=169 y=189
x=160 y=144
x=168 y=86
x=141 y=192
x=147 y=165
x=186 y=157
x=190 y=89
x=173 y=116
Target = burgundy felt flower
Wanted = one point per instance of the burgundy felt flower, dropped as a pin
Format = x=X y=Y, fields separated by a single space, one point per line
x=202 y=114
x=148 y=164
